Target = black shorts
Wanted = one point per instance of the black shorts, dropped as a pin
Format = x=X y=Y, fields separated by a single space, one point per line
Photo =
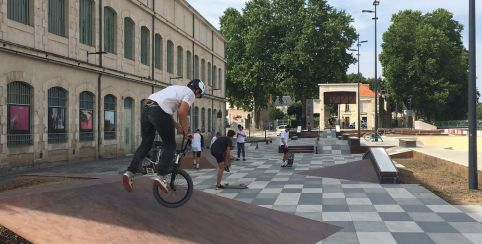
x=283 y=149
x=219 y=156
x=198 y=154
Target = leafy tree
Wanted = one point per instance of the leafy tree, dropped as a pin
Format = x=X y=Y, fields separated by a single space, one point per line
x=479 y=111
x=355 y=78
x=296 y=110
x=288 y=47
x=423 y=58
x=276 y=113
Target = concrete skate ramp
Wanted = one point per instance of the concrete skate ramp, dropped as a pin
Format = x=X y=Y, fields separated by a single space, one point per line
x=100 y=211
x=356 y=171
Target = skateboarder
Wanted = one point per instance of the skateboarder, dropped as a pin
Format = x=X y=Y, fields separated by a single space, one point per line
x=221 y=150
x=284 y=145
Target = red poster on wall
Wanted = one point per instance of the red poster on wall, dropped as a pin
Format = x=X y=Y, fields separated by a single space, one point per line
x=86 y=121
x=19 y=118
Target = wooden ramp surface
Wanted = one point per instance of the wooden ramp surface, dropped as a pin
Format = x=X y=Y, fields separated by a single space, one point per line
x=100 y=211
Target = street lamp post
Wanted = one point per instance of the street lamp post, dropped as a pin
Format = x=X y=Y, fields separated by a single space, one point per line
x=375 y=4
x=358 y=94
x=473 y=182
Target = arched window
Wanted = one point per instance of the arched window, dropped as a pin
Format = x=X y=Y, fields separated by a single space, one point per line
x=210 y=76
x=158 y=51
x=170 y=57
x=57 y=113
x=203 y=119
x=180 y=60
x=86 y=17
x=188 y=65
x=110 y=26
x=57 y=17
x=129 y=38
x=215 y=119
x=20 y=11
x=86 y=116
x=209 y=120
x=110 y=117
x=196 y=67
x=19 y=111
x=195 y=119
x=145 y=45
x=220 y=79
x=214 y=77
x=203 y=70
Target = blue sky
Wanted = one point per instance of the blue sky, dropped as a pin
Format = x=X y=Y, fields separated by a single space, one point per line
x=213 y=9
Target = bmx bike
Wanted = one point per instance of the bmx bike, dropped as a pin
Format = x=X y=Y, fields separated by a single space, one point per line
x=374 y=137
x=179 y=182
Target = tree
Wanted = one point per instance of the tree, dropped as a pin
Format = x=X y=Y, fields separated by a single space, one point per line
x=355 y=78
x=298 y=45
x=296 y=110
x=423 y=58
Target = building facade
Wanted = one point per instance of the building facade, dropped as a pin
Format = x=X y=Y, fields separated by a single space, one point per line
x=73 y=74
x=345 y=96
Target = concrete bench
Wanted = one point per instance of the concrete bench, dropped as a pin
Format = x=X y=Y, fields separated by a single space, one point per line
x=384 y=167
x=408 y=142
x=353 y=141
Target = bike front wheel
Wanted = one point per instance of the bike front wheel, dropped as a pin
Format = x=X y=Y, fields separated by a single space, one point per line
x=180 y=189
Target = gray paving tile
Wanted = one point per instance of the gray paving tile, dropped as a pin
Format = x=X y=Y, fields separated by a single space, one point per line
x=467 y=227
x=412 y=238
x=335 y=208
x=362 y=208
x=346 y=225
x=342 y=237
x=449 y=238
x=474 y=237
x=456 y=217
x=416 y=208
x=310 y=198
x=264 y=201
x=370 y=226
x=425 y=217
x=285 y=190
x=437 y=227
x=403 y=226
x=334 y=201
x=375 y=237
x=381 y=198
x=387 y=216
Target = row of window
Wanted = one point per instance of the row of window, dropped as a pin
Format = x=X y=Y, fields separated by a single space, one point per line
x=22 y=11
x=19 y=115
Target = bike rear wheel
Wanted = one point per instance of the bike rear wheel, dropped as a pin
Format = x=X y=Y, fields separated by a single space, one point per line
x=180 y=189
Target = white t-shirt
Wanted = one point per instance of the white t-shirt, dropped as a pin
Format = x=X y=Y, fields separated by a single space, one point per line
x=171 y=97
x=196 y=142
x=285 y=135
x=241 y=136
x=213 y=140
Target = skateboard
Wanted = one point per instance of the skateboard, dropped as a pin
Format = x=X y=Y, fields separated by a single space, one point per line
x=235 y=186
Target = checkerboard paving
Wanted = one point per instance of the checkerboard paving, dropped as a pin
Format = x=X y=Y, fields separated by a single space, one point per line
x=368 y=213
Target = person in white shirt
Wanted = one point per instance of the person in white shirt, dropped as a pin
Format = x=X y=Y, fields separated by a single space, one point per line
x=196 y=147
x=157 y=115
x=284 y=145
x=241 y=139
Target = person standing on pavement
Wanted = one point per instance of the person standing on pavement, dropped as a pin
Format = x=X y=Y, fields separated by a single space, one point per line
x=157 y=115
x=221 y=150
x=284 y=145
x=196 y=147
x=241 y=139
